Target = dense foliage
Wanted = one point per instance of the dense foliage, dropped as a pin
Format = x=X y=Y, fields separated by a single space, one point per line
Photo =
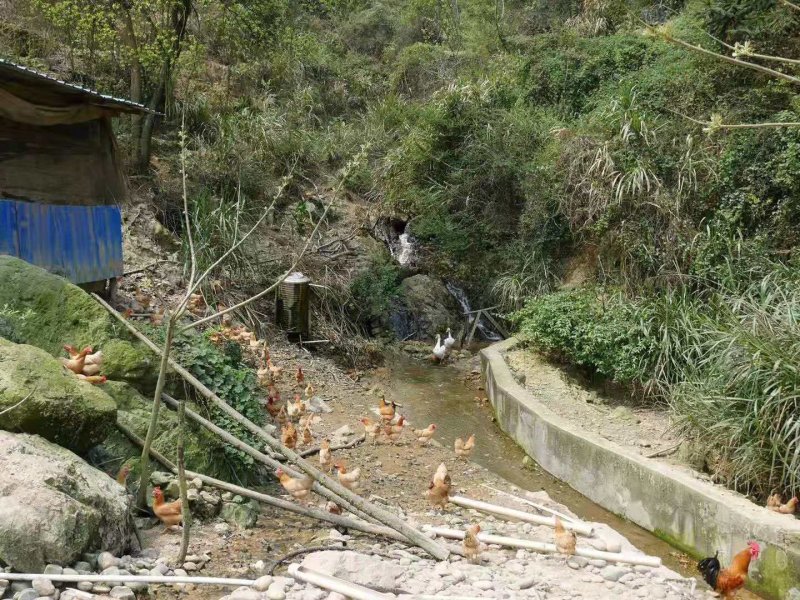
x=525 y=143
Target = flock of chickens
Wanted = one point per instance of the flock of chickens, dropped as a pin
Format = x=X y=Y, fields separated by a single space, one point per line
x=85 y=364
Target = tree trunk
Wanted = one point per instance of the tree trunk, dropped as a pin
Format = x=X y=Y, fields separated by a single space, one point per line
x=144 y=463
x=129 y=35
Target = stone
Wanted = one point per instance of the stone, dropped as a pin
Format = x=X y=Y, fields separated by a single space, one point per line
x=658 y=593
x=59 y=407
x=613 y=572
x=196 y=483
x=276 y=591
x=221 y=528
x=161 y=479
x=106 y=560
x=245 y=593
x=577 y=562
x=122 y=592
x=483 y=584
x=72 y=506
x=262 y=583
x=318 y=405
x=82 y=565
x=527 y=582
x=173 y=489
x=313 y=594
x=73 y=594
x=190 y=566
x=27 y=594
x=423 y=305
x=43 y=587
x=180 y=573
x=85 y=586
x=53 y=570
x=358 y=568
x=242 y=515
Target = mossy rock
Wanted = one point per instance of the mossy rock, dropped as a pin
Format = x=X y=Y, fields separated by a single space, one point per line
x=47 y=311
x=61 y=408
x=204 y=452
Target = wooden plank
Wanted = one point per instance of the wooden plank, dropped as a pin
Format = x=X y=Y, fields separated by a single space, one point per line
x=500 y=329
x=474 y=327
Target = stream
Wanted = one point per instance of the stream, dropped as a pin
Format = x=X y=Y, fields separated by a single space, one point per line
x=436 y=394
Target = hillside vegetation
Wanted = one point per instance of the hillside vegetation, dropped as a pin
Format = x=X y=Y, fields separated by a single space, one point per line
x=527 y=143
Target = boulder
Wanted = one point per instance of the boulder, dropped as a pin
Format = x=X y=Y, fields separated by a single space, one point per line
x=424 y=308
x=61 y=408
x=58 y=504
x=242 y=515
x=47 y=311
x=358 y=568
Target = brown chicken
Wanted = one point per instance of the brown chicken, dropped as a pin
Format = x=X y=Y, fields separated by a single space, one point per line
x=122 y=475
x=157 y=317
x=169 y=513
x=471 y=545
x=273 y=408
x=371 y=429
x=788 y=508
x=289 y=436
x=333 y=508
x=275 y=372
x=308 y=436
x=727 y=581
x=393 y=431
x=424 y=435
x=325 y=458
x=565 y=540
x=93 y=379
x=143 y=299
x=310 y=391
x=438 y=492
x=348 y=479
x=299 y=376
x=464 y=449
x=386 y=410
x=299 y=488
x=774 y=501
x=76 y=364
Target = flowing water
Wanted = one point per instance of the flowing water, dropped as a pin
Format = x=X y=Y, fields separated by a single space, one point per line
x=435 y=394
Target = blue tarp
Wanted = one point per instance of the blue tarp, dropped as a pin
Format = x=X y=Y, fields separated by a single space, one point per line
x=81 y=243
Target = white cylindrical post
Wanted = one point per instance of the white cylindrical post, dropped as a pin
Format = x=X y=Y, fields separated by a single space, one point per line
x=128 y=579
x=582 y=528
x=620 y=557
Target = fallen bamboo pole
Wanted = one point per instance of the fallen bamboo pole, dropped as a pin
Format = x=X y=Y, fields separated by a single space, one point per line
x=560 y=515
x=347 y=497
x=348 y=589
x=582 y=528
x=259 y=456
x=313 y=513
x=77 y=577
x=620 y=557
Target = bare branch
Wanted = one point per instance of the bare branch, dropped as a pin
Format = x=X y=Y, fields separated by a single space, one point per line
x=190 y=238
x=716 y=123
x=745 y=50
x=791 y=5
x=729 y=59
x=18 y=404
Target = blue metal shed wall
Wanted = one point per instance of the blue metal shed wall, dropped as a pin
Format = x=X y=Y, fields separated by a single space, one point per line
x=81 y=243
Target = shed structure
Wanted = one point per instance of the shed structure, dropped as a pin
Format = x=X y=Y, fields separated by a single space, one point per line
x=61 y=181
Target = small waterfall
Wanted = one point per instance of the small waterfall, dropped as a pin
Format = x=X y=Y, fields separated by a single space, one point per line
x=460 y=295
x=405 y=255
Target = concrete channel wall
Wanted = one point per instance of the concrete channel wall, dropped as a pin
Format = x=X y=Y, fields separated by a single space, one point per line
x=695 y=516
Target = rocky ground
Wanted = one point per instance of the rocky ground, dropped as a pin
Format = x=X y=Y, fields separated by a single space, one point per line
x=395 y=476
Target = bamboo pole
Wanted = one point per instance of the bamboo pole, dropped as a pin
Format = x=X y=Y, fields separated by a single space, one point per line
x=313 y=513
x=259 y=456
x=347 y=497
x=129 y=579
x=500 y=540
x=539 y=507
x=582 y=528
x=348 y=589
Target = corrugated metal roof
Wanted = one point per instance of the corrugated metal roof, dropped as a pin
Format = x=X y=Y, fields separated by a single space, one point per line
x=34 y=76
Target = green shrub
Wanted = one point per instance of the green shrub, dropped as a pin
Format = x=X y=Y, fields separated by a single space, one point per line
x=374 y=289
x=590 y=328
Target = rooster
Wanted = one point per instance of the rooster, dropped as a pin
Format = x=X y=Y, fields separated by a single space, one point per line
x=471 y=545
x=371 y=429
x=727 y=581
x=299 y=488
x=299 y=376
x=565 y=540
x=348 y=479
x=464 y=449
x=169 y=513
x=424 y=435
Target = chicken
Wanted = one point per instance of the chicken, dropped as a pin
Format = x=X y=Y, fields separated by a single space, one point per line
x=481 y=400
x=76 y=364
x=196 y=303
x=310 y=391
x=273 y=408
x=386 y=410
x=93 y=379
x=424 y=435
x=308 y=435
x=438 y=492
x=299 y=377
x=142 y=299
x=157 y=317
x=788 y=508
x=393 y=431
x=289 y=436
x=464 y=449
x=169 y=513
x=333 y=508
x=122 y=475
x=275 y=371
x=565 y=540
x=264 y=376
x=283 y=417
x=298 y=488
x=348 y=479
x=774 y=501
x=371 y=429
x=471 y=545
x=296 y=408
x=325 y=458
x=727 y=581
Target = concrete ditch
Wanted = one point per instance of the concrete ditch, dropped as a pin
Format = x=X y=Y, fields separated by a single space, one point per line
x=693 y=515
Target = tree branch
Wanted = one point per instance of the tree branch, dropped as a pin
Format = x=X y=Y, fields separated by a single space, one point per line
x=790 y=5
x=18 y=404
x=744 y=50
